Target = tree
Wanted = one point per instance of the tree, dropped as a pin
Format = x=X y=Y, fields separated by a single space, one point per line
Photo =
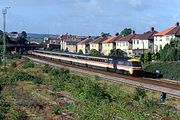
x=117 y=53
x=24 y=34
x=105 y=34
x=126 y=31
x=22 y=39
x=80 y=52
x=171 y=52
x=1 y=37
x=147 y=57
x=66 y=50
x=94 y=52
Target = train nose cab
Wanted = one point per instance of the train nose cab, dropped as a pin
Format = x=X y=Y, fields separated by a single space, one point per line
x=135 y=67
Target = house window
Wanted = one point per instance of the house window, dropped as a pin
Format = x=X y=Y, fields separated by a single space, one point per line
x=126 y=44
x=160 y=46
x=137 y=41
x=123 y=43
x=160 y=39
x=134 y=42
x=167 y=38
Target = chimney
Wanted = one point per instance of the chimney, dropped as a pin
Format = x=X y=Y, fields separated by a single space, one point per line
x=177 y=24
x=152 y=29
x=133 y=32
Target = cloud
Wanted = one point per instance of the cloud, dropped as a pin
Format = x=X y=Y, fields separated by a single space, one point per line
x=88 y=5
x=136 y=3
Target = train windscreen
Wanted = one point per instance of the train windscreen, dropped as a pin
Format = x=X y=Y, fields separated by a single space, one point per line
x=136 y=64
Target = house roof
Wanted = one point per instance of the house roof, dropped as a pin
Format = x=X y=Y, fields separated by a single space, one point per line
x=87 y=40
x=99 y=40
x=174 y=30
x=110 y=39
x=128 y=37
x=146 y=36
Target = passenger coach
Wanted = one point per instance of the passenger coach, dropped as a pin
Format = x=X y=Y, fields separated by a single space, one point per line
x=127 y=66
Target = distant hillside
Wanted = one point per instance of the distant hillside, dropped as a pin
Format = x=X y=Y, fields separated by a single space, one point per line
x=39 y=37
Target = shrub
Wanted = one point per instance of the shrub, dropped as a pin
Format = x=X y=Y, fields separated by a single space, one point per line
x=96 y=92
x=60 y=72
x=56 y=109
x=23 y=76
x=4 y=108
x=140 y=93
x=28 y=64
x=13 y=56
x=46 y=68
x=13 y=65
x=149 y=102
x=169 y=70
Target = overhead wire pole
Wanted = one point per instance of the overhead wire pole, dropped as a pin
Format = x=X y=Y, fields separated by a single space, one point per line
x=4 y=12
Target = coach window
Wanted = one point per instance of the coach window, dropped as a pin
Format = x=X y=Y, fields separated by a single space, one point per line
x=110 y=61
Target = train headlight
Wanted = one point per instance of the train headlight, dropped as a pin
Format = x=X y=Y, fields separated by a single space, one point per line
x=131 y=71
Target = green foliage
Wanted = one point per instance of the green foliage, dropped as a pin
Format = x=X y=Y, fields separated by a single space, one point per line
x=96 y=92
x=59 y=72
x=46 y=68
x=140 y=93
x=56 y=109
x=147 y=57
x=23 y=76
x=1 y=48
x=24 y=34
x=66 y=50
x=14 y=56
x=94 y=52
x=126 y=31
x=28 y=64
x=80 y=52
x=13 y=65
x=117 y=53
x=4 y=108
x=170 y=70
x=105 y=34
x=171 y=52
x=14 y=114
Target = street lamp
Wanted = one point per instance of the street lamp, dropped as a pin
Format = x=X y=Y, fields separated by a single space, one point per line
x=4 y=12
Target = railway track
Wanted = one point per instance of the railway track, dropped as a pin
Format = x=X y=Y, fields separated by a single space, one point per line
x=173 y=85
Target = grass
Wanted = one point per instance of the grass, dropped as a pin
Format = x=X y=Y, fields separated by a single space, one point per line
x=93 y=97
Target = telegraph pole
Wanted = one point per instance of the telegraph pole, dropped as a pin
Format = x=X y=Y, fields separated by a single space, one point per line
x=4 y=12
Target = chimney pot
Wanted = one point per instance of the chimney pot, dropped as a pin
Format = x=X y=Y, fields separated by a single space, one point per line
x=133 y=32
x=152 y=29
x=177 y=24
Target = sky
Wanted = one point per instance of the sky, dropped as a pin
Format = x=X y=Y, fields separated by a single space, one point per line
x=89 y=17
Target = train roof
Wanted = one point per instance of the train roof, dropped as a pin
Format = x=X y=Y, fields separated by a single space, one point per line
x=91 y=56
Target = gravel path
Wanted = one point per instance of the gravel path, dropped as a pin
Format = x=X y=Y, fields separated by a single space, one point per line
x=115 y=79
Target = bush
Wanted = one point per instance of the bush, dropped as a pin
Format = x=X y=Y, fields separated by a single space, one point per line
x=13 y=56
x=4 y=108
x=59 y=72
x=46 y=68
x=56 y=109
x=13 y=65
x=169 y=70
x=23 y=76
x=28 y=64
x=96 y=92
x=140 y=93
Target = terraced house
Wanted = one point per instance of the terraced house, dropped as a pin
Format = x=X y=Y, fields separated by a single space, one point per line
x=108 y=44
x=97 y=44
x=143 y=42
x=125 y=43
x=84 y=45
x=164 y=37
x=69 y=42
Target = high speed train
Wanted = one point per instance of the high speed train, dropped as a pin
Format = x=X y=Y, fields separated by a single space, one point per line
x=128 y=66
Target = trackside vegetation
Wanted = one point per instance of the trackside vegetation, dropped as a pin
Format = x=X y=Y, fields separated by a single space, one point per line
x=32 y=91
x=166 y=60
